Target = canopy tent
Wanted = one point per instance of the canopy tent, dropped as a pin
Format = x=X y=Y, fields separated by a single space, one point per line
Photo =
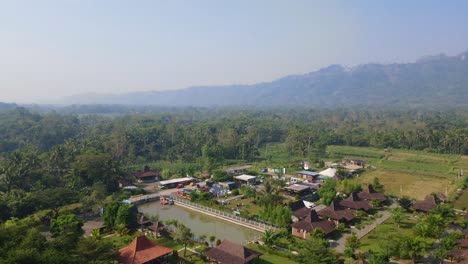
x=330 y=172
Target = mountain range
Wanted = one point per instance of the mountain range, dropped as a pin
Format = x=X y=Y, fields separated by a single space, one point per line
x=431 y=81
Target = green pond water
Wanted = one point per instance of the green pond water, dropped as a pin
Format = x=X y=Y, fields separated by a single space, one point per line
x=201 y=223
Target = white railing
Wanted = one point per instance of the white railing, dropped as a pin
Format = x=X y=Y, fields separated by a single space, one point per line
x=236 y=218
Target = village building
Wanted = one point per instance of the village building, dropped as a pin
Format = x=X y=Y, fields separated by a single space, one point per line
x=353 y=202
x=303 y=228
x=156 y=229
x=426 y=205
x=237 y=169
x=301 y=208
x=310 y=176
x=147 y=175
x=298 y=189
x=329 y=173
x=337 y=213
x=172 y=183
x=143 y=250
x=458 y=256
x=246 y=179
x=356 y=162
x=371 y=195
x=231 y=253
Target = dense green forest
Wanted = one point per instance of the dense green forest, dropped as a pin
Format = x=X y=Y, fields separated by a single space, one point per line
x=52 y=159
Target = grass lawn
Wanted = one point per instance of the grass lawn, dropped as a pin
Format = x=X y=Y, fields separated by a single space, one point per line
x=407 y=173
x=462 y=201
x=269 y=258
x=253 y=209
x=373 y=240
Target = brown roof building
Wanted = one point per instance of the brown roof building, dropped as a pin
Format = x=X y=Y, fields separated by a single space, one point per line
x=458 y=256
x=370 y=194
x=355 y=203
x=142 y=250
x=462 y=243
x=303 y=228
x=336 y=212
x=147 y=175
x=426 y=205
x=231 y=253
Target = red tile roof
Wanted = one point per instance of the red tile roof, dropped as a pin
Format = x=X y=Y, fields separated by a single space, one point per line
x=231 y=253
x=337 y=212
x=312 y=221
x=142 y=250
x=355 y=203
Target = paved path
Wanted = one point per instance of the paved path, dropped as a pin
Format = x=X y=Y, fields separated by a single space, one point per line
x=340 y=244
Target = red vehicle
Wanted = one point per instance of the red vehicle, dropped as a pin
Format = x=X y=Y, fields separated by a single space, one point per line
x=180 y=185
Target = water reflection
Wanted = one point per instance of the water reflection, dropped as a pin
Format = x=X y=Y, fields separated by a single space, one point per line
x=200 y=223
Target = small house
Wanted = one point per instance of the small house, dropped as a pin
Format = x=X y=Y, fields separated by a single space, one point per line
x=237 y=169
x=337 y=213
x=426 y=205
x=298 y=189
x=147 y=175
x=246 y=179
x=353 y=202
x=231 y=253
x=309 y=176
x=143 y=250
x=370 y=195
x=303 y=228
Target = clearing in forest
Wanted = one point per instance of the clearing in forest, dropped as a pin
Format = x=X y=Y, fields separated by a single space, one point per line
x=407 y=173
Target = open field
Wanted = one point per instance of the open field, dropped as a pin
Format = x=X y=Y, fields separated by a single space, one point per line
x=373 y=241
x=462 y=201
x=407 y=173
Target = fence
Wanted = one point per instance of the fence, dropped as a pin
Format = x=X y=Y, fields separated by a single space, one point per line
x=253 y=224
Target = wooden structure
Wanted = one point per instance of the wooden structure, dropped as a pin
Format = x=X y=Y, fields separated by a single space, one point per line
x=143 y=250
x=370 y=194
x=231 y=253
x=426 y=205
x=353 y=202
x=337 y=213
x=303 y=228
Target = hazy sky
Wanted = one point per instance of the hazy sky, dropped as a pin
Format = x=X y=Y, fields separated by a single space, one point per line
x=50 y=49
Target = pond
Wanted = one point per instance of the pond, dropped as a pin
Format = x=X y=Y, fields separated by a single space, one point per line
x=201 y=223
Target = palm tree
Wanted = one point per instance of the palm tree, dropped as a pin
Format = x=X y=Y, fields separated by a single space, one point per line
x=121 y=229
x=268 y=238
x=183 y=235
x=397 y=215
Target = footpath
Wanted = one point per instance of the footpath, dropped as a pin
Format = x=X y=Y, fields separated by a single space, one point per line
x=340 y=244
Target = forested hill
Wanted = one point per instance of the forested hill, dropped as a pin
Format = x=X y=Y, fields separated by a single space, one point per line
x=433 y=81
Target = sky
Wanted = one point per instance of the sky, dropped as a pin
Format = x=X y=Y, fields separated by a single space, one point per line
x=51 y=49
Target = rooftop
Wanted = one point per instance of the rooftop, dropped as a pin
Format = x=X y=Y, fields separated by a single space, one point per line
x=312 y=221
x=142 y=250
x=310 y=173
x=231 y=253
x=426 y=205
x=337 y=212
x=176 y=180
x=298 y=187
x=245 y=177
